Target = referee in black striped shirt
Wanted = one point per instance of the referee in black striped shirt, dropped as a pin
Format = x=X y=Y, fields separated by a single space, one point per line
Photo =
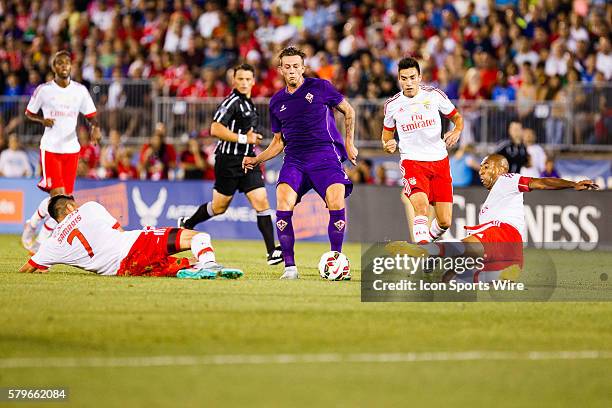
x=235 y=124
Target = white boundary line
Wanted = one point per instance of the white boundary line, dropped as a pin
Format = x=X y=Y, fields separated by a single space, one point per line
x=263 y=359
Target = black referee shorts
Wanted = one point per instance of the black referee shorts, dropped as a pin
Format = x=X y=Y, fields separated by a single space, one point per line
x=230 y=176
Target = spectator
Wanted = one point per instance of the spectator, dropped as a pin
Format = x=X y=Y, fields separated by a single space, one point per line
x=502 y=91
x=14 y=161
x=209 y=20
x=89 y=157
x=125 y=169
x=513 y=149
x=109 y=158
x=556 y=63
x=525 y=53
x=157 y=158
x=194 y=162
x=537 y=155
x=549 y=169
x=603 y=60
x=464 y=166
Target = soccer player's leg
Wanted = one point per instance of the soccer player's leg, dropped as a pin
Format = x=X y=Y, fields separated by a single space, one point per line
x=502 y=251
x=442 y=195
x=259 y=201
x=200 y=244
x=333 y=186
x=286 y=198
x=416 y=188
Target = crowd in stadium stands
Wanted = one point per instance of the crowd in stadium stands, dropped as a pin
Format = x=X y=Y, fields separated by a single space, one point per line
x=504 y=50
x=501 y=49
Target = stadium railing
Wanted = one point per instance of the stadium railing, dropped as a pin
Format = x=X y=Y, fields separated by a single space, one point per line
x=582 y=122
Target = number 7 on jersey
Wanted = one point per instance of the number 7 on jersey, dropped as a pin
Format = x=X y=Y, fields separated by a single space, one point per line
x=76 y=233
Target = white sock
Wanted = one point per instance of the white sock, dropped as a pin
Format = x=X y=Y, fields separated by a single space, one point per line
x=46 y=230
x=436 y=231
x=420 y=230
x=40 y=213
x=201 y=247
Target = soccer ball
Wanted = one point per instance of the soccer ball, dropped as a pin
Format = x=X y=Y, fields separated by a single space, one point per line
x=334 y=265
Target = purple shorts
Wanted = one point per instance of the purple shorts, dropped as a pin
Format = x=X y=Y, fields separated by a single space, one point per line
x=318 y=175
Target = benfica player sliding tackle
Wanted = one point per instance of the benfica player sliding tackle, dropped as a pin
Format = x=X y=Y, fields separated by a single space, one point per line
x=500 y=235
x=61 y=101
x=89 y=237
x=303 y=124
x=424 y=160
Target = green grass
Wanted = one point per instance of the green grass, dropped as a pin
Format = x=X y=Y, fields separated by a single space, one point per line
x=70 y=313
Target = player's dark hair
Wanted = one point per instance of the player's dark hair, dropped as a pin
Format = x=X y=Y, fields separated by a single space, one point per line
x=59 y=54
x=408 y=62
x=290 y=52
x=57 y=204
x=244 y=67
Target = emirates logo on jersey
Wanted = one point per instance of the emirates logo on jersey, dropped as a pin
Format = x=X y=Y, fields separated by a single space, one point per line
x=309 y=97
x=339 y=225
x=281 y=225
x=417 y=121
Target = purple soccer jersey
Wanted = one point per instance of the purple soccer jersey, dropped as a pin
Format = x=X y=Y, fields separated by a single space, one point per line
x=306 y=120
x=314 y=150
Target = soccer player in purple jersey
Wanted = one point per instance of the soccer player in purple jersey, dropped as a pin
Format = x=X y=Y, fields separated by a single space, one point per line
x=303 y=124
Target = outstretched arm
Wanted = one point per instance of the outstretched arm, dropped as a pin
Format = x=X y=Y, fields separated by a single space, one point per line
x=551 y=183
x=27 y=268
x=274 y=149
x=349 y=124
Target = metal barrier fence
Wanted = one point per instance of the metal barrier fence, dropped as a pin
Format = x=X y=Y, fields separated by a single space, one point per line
x=583 y=121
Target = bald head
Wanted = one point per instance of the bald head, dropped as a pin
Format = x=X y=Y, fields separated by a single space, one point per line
x=491 y=168
x=499 y=161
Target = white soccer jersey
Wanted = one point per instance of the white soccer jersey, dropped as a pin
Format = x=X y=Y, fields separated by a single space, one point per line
x=87 y=238
x=505 y=202
x=63 y=105
x=418 y=123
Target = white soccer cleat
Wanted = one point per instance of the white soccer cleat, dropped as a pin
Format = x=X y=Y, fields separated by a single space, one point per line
x=291 y=272
x=28 y=238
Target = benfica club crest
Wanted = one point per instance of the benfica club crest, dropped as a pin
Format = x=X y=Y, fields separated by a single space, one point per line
x=412 y=181
x=427 y=105
x=309 y=97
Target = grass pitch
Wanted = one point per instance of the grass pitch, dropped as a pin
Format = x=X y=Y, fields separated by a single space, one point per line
x=86 y=332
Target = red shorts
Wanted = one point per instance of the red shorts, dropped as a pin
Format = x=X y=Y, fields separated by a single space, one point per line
x=430 y=177
x=58 y=170
x=503 y=245
x=150 y=254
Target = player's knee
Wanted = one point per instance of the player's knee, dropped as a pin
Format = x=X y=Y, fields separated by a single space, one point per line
x=444 y=222
x=219 y=208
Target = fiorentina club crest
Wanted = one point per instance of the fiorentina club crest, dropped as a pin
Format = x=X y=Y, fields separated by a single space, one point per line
x=412 y=181
x=339 y=225
x=281 y=224
x=309 y=97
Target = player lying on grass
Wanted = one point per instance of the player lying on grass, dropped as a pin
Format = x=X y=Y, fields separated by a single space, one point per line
x=89 y=237
x=499 y=237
